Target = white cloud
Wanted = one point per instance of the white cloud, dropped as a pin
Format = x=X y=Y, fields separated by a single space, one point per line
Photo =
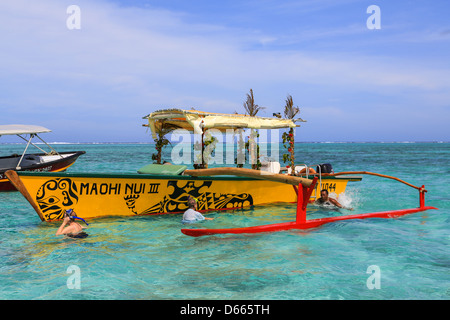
x=120 y=45
x=116 y=44
x=126 y=59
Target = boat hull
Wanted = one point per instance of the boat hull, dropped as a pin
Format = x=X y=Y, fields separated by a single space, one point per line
x=97 y=195
x=57 y=165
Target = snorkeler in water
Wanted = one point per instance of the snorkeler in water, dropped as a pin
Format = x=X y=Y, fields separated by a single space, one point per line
x=325 y=200
x=70 y=228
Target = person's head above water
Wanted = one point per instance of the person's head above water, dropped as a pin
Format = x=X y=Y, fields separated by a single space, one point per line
x=192 y=202
x=72 y=215
x=324 y=194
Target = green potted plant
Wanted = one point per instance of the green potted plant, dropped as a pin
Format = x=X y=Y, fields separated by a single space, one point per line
x=252 y=109
x=288 y=137
x=161 y=141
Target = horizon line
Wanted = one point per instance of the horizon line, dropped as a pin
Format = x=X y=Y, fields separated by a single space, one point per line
x=152 y=143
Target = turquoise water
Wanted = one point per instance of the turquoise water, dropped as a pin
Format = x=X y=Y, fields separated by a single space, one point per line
x=147 y=257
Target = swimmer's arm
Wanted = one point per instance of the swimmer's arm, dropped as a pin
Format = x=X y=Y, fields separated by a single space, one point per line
x=63 y=230
x=205 y=218
x=199 y=216
x=336 y=203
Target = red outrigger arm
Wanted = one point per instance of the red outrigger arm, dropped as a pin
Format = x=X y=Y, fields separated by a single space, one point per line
x=303 y=195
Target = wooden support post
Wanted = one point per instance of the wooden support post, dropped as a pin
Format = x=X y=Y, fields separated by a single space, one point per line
x=250 y=173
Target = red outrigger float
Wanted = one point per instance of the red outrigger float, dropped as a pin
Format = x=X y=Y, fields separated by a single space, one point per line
x=301 y=223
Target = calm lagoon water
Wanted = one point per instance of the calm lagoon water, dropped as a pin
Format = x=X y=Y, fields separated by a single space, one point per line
x=147 y=257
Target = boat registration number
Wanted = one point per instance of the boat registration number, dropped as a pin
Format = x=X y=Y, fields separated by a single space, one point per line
x=331 y=187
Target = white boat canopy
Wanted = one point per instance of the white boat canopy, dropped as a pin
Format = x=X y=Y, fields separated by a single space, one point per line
x=194 y=120
x=14 y=129
x=32 y=130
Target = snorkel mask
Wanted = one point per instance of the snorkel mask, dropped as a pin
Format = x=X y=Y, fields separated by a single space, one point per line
x=69 y=212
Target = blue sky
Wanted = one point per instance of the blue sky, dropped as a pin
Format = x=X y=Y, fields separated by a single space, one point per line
x=133 y=57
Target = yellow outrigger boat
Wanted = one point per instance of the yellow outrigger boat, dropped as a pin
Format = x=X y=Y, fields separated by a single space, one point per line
x=164 y=189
